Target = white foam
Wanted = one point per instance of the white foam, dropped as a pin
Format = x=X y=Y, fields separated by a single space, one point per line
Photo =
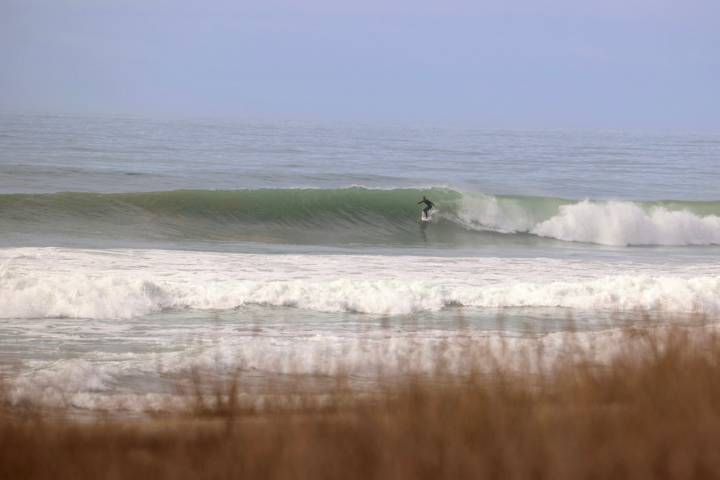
x=480 y=212
x=103 y=382
x=626 y=223
x=61 y=382
x=48 y=283
x=615 y=223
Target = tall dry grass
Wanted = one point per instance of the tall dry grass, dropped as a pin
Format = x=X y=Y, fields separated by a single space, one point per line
x=649 y=410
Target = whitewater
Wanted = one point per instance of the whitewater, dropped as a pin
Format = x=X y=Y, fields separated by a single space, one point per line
x=126 y=284
x=133 y=250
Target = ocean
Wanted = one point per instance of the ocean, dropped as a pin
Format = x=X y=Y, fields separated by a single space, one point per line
x=132 y=249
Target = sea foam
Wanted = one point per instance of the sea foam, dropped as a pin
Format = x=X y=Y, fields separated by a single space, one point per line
x=614 y=223
x=117 y=297
x=626 y=223
x=127 y=284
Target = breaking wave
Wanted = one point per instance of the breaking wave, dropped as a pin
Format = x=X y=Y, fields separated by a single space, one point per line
x=357 y=215
x=52 y=283
x=87 y=297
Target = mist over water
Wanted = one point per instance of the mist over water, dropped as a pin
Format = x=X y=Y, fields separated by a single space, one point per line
x=119 y=233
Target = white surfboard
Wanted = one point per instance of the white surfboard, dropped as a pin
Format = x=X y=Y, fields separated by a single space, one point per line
x=423 y=218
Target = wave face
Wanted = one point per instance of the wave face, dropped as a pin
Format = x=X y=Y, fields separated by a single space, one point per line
x=52 y=283
x=357 y=215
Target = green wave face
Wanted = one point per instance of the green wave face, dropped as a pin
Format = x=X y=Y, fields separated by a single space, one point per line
x=291 y=206
x=349 y=215
x=266 y=215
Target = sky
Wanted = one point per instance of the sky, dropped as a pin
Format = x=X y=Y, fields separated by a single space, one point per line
x=641 y=64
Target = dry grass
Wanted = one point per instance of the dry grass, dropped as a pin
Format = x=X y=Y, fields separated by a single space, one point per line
x=652 y=410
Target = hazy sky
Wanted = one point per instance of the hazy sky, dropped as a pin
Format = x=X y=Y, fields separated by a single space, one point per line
x=525 y=63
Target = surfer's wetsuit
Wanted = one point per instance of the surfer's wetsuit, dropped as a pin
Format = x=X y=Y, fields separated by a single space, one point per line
x=428 y=205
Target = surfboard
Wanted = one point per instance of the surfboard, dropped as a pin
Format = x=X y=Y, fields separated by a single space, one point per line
x=431 y=214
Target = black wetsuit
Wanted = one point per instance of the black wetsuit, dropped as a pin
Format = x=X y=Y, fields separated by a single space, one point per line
x=429 y=205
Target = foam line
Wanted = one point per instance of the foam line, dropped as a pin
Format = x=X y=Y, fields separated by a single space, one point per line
x=43 y=283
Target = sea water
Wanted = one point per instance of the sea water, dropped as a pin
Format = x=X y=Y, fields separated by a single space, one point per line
x=132 y=249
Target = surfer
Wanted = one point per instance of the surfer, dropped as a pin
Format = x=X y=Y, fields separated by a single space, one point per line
x=428 y=206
